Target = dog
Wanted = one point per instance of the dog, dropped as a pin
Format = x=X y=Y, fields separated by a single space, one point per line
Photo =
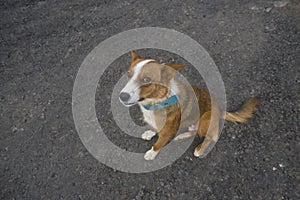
x=155 y=88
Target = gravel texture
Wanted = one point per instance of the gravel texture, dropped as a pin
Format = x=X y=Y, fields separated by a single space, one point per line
x=255 y=45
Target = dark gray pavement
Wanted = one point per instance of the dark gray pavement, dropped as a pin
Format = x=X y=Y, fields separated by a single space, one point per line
x=42 y=45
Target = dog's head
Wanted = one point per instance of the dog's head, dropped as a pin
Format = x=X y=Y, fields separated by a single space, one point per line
x=147 y=79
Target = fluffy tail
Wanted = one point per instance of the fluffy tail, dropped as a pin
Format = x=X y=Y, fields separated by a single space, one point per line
x=244 y=112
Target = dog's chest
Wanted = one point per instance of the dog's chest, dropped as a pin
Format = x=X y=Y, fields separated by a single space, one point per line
x=149 y=117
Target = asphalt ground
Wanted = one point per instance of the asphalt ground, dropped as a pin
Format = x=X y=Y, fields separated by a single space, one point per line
x=255 y=45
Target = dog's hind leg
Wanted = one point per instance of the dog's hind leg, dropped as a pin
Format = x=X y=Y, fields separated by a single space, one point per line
x=192 y=131
x=210 y=134
x=204 y=148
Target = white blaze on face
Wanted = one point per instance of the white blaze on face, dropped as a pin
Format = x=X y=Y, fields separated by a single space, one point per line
x=132 y=87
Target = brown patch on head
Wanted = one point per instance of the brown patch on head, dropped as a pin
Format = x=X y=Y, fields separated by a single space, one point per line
x=135 y=59
x=159 y=75
x=175 y=66
x=155 y=89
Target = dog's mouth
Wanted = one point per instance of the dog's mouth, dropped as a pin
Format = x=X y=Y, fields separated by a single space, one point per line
x=141 y=99
x=128 y=104
x=131 y=104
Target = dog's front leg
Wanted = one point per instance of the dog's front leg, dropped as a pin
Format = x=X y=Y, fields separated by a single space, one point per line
x=161 y=141
x=164 y=136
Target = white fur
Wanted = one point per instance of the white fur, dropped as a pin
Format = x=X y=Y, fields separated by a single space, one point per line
x=132 y=87
x=185 y=135
x=148 y=135
x=197 y=153
x=192 y=127
x=174 y=87
x=151 y=154
x=149 y=117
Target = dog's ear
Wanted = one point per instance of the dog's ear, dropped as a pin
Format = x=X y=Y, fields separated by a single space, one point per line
x=167 y=73
x=175 y=66
x=134 y=56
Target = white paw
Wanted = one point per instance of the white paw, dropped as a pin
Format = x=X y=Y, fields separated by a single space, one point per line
x=184 y=135
x=151 y=154
x=197 y=153
x=148 y=135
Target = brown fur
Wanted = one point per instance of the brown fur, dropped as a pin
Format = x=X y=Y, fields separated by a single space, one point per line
x=244 y=112
x=170 y=118
x=170 y=127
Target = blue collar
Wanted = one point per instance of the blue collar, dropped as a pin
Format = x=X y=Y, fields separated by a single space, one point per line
x=163 y=104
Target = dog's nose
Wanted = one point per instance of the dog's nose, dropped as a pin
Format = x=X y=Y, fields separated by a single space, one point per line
x=124 y=96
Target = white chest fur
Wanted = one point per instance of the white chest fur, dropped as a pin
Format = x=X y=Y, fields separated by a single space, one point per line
x=149 y=117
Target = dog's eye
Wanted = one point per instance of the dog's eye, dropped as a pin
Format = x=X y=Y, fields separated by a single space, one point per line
x=146 y=79
x=128 y=75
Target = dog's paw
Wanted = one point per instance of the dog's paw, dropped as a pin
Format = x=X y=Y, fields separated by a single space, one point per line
x=200 y=153
x=184 y=136
x=197 y=153
x=148 y=135
x=151 y=154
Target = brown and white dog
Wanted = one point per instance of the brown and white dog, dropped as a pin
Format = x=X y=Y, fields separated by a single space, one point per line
x=155 y=89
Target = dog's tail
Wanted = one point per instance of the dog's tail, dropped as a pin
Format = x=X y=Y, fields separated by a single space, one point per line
x=244 y=112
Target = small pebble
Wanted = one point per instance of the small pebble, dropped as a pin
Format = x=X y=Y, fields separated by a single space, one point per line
x=281 y=165
x=268 y=9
